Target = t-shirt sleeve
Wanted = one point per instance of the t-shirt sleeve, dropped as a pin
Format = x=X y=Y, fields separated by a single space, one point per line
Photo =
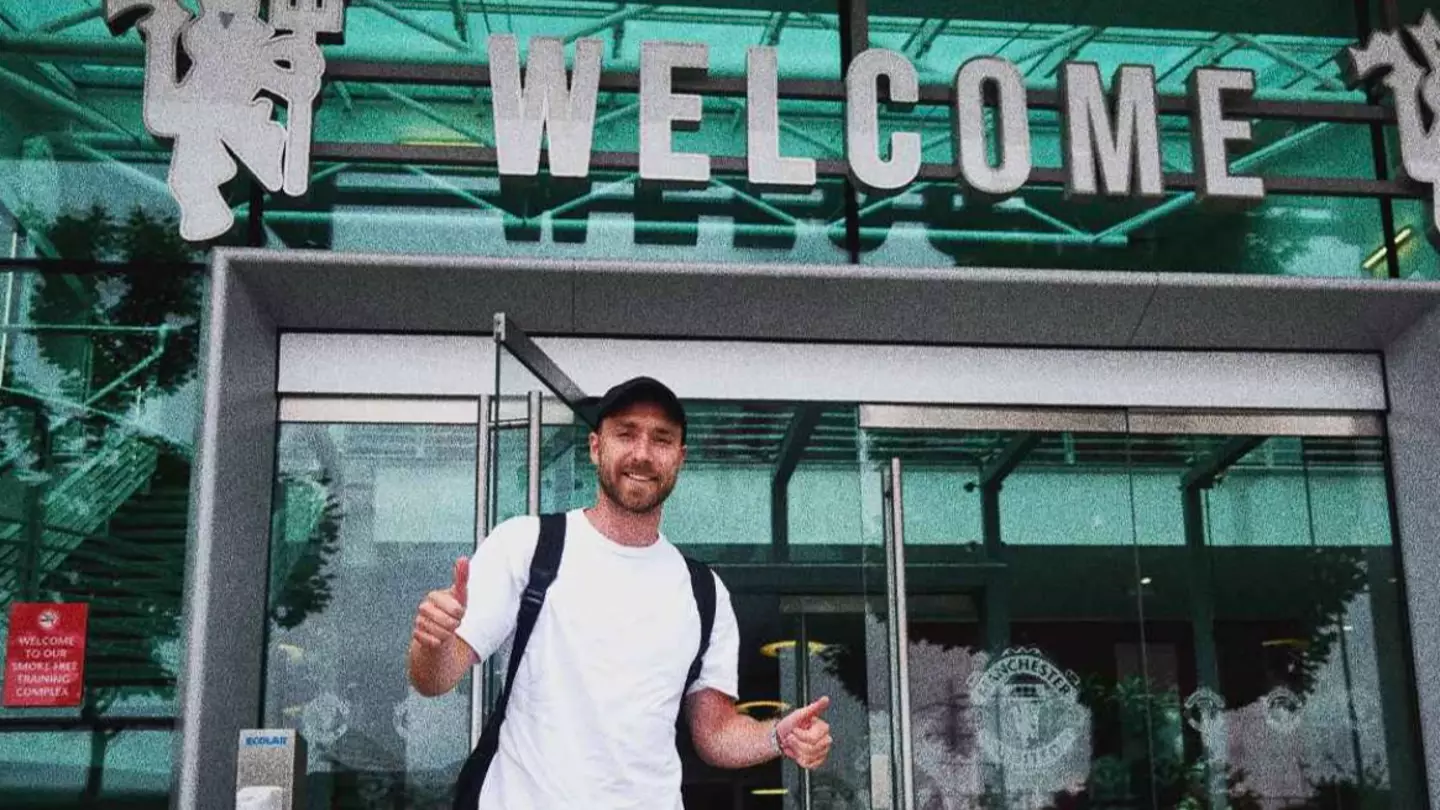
x=719 y=669
x=498 y=570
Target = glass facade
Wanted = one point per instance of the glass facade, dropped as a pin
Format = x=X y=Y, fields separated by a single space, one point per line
x=365 y=514
x=100 y=406
x=74 y=139
x=1130 y=619
x=1233 y=638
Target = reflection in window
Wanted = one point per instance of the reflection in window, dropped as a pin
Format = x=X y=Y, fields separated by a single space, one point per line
x=98 y=405
x=368 y=518
x=126 y=769
x=1154 y=622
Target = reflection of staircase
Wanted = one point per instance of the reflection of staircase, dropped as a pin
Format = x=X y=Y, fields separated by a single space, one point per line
x=82 y=502
x=132 y=578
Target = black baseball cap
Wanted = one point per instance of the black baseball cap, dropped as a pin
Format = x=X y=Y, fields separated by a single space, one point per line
x=638 y=389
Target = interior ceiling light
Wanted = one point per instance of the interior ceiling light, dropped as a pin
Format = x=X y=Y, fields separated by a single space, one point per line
x=438 y=142
x=776 y=705
x=1402 y=237
x=773 y=649
x=1296 y=643
x=769 y=791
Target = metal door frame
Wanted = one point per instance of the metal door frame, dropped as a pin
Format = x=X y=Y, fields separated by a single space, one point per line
x=255 y=296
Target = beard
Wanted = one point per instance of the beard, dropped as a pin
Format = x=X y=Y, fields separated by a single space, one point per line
x=625 y=496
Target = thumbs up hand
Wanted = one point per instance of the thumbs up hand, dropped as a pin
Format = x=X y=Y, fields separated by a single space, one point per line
x=459 y=588
x=804 y=737
x=440 y=613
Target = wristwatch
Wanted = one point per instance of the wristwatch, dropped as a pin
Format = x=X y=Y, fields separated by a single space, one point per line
x=775 y=738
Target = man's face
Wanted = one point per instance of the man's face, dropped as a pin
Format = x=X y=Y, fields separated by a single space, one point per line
x=638 y=454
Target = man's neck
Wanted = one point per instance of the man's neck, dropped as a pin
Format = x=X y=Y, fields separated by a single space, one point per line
x=624 y=527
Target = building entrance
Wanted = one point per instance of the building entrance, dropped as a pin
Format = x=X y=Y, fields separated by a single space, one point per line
x=1121 y=608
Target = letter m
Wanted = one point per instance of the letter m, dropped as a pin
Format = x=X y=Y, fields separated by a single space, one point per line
x=543 y=105
x=1120 y=149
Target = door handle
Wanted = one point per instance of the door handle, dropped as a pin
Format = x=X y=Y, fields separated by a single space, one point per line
x=894 y=513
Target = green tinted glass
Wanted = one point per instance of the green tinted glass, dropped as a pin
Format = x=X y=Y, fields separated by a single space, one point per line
x=98 y=408
x=416 y=209
x=99 y=405
x=806 y=33
x=129 y=770
x=1290 y=50
x=75 y=138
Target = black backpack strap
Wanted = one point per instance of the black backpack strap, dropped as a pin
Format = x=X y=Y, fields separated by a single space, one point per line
x=702 y=583
x=543 y=568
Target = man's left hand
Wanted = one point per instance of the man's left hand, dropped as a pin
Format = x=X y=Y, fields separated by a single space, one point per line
x=804 y=737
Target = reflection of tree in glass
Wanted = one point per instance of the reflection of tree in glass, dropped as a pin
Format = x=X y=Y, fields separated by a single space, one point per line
x=312 y=537
x=1338 y=576
x=1342 y=793
x=153 y=285
x=80 y=419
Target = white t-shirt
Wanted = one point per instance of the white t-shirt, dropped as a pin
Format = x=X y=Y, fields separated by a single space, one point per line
x=591 y=719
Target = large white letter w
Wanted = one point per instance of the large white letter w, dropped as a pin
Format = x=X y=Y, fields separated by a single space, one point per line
x=543 y=105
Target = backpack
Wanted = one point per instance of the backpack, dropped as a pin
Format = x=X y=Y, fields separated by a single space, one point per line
x=543 y=568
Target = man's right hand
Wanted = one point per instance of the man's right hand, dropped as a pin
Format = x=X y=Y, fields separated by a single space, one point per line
x=440 y=613
x=438 y=658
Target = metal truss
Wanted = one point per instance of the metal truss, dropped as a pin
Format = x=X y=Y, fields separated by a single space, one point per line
x=1302 y=84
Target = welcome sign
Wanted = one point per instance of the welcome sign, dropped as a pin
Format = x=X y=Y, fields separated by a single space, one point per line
x=1111 y=138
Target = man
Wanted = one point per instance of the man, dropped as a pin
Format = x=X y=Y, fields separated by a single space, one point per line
x=591 y=719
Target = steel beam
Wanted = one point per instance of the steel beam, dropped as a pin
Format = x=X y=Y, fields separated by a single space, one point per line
x=997 y=587
x=405 y=19
x=584 y=199
x=1202 y=619
x=925 y=33
x=434 y=115
x=1050 y=45
x=757 y=203
x=243 y=208
x=1052 y=60
x=460 y=193
x=609 y=21
x=792 y=447
x=1280 y=56
x=994 y=473
x=774 y=27
x=25 y=87
x=55 y=75
x=68 y=21
x=1209 y=54
x=1021 y=204
x=1202 y=474
x=463 y=69
x=462 y=22
x=509 y=334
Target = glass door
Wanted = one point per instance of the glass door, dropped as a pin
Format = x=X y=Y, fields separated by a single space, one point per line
x=1014 y=582
x=374 y=502
x=1164 y=610
x=771 y=497
x=535 y=447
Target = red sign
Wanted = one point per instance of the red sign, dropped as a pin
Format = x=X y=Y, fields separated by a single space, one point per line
x=45 y=655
